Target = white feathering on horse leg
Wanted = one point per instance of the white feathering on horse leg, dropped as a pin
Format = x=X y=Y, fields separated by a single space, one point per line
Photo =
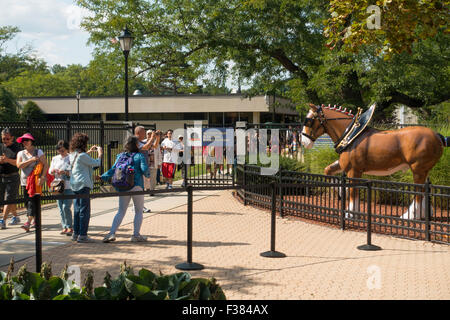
x=415 y=211
x=352 y=206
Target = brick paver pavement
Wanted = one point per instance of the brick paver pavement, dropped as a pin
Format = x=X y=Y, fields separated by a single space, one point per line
x=321 y=262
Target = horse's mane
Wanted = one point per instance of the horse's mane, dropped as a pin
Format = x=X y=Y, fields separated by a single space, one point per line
x=339 y=109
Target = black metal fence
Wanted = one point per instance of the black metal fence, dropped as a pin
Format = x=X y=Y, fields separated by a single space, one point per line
x=109 y=136
x=321 y=198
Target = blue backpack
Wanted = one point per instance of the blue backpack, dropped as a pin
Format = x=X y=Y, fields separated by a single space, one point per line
x=123 y=178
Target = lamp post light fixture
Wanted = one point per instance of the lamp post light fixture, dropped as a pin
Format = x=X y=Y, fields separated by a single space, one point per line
x=126 y=42
x=78 y=95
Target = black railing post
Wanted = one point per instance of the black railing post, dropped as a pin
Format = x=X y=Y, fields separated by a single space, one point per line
x=369 y=246
x=280 y=181
x=343 y=200
x=68 y=130
x=189 y=265
x=272 y=253
x=36 y=209
x=108 y=150
x=29 y=125
x=245 y=185
x=427 y=210
x=102 y=145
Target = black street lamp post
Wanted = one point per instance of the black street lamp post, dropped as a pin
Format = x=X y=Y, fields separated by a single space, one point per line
x=126 y=41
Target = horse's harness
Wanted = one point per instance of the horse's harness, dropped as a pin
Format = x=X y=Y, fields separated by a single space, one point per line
x=319 y=115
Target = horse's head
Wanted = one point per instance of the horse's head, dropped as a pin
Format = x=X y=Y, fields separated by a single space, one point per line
x=313 y=126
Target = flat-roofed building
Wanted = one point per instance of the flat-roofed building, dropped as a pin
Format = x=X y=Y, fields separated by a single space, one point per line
x=170 y=111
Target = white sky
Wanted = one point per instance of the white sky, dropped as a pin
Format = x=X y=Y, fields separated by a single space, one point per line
x=51 y=27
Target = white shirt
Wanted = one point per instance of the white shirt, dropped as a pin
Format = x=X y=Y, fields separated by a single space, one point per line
x=60 y=163
x=170 y=156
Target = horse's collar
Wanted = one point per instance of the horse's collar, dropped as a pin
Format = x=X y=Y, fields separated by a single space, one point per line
x=359 y=123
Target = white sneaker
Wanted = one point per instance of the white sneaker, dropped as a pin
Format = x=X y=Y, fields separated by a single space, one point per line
x=138 y=238
x=109 y=238
x=14 y=221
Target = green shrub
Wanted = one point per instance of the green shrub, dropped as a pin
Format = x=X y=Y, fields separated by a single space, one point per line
x=290 y=164
x=317 y=160
x=127 y=286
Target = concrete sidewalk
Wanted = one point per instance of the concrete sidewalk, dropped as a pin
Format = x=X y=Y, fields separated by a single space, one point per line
x=321 y=262
x=15 y=242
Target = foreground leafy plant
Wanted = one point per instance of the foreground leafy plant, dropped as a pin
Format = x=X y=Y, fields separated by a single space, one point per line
x=127 y=286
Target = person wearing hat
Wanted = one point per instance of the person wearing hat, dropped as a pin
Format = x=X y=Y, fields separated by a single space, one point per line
x=27 y=161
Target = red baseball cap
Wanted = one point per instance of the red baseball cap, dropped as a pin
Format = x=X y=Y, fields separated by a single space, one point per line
x=25 y=136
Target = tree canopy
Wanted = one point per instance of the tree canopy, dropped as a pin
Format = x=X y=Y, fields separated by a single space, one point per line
x=277 y=47
x=281 y=46
x=9 y=107
x=393 y=26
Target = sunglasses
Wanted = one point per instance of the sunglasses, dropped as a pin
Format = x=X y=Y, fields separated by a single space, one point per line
x=25 y=139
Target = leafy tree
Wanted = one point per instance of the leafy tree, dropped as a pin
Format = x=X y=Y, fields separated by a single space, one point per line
x=12 y=65
x=401 y=23
x=32 y=111
x=9 y=106
x=276 y=46
x=180 y=39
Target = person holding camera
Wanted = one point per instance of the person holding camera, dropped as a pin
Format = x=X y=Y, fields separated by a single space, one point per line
x=82 y=182
x=154 y=156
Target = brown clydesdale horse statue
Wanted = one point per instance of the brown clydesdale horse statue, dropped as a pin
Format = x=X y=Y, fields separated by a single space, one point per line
x=376 y=152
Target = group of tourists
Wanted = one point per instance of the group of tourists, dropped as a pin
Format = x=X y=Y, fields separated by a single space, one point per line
x=145 y=155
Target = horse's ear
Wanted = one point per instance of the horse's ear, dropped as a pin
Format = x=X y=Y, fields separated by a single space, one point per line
x=313 y=106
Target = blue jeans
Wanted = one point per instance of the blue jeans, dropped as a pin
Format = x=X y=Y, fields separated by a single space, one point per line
x=64 y=210
x=81 y=213
x=124 y=201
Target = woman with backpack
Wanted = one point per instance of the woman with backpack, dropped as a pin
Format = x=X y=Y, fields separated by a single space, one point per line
x=127 y=175
x=82 y=182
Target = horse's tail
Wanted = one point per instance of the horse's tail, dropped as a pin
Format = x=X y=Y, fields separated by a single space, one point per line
x=445 y=140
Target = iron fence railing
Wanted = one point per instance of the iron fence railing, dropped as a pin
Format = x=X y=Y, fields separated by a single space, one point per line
x=322 y=198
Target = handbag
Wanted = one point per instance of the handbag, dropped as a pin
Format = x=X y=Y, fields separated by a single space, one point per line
x=57 y=186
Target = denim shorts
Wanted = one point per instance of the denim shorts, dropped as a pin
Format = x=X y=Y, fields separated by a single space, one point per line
x=9 y=187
